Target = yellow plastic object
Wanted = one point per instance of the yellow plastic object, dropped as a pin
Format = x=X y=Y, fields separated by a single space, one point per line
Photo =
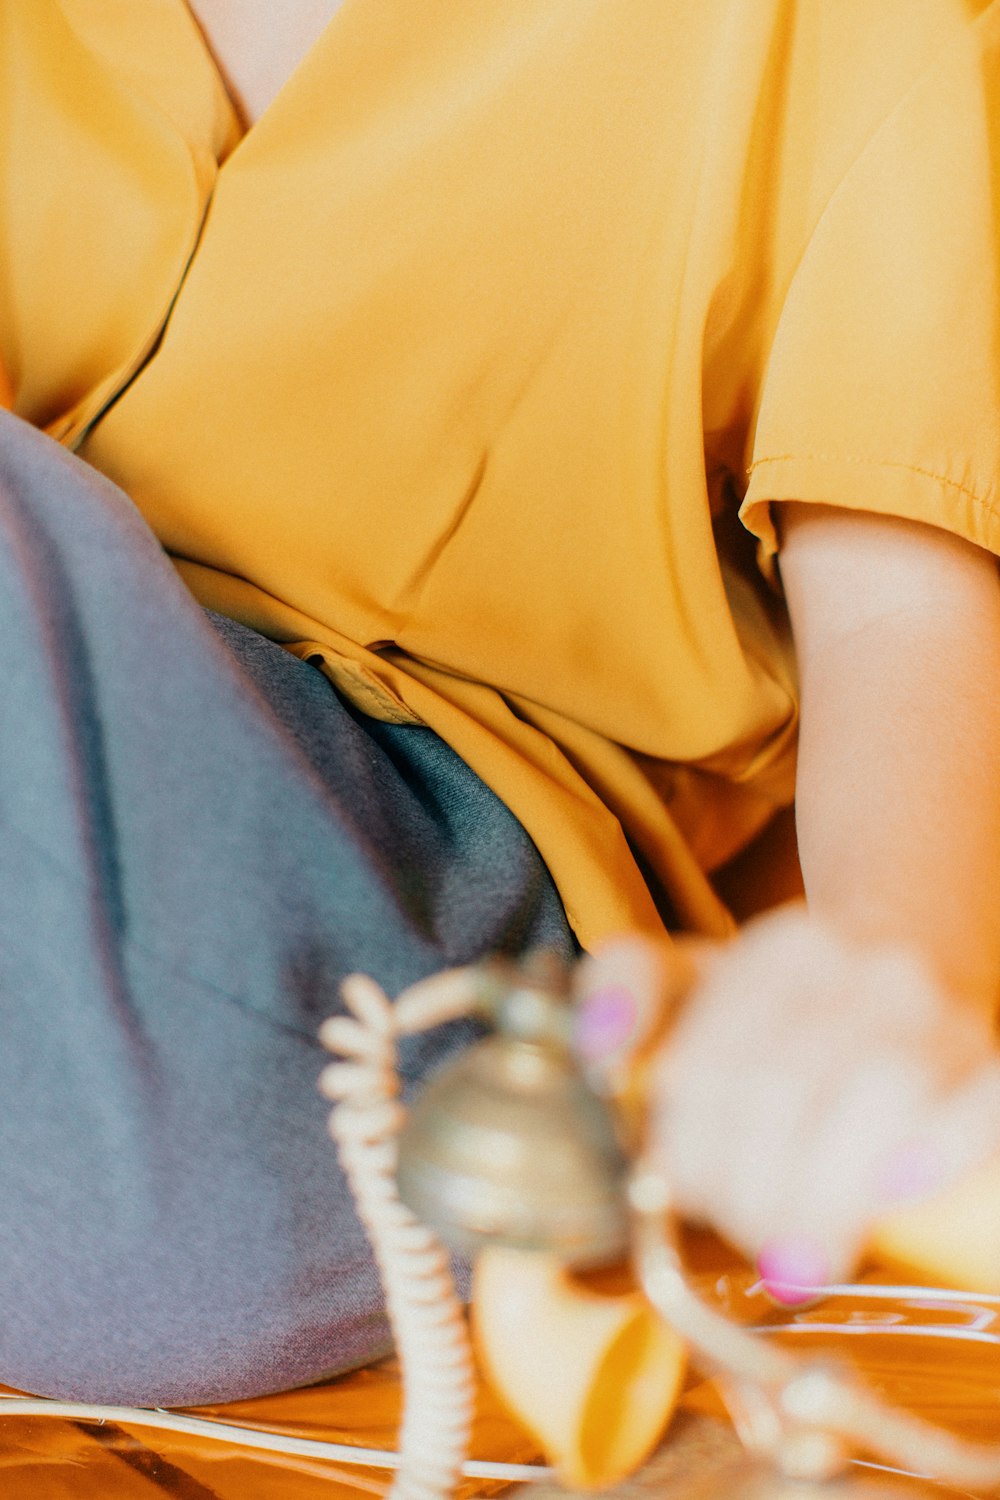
x=953 y=1237
x=594 y=1377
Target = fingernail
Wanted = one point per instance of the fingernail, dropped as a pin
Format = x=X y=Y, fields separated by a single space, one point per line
x=912 y=1172
x=605 y=1022
x=793 y=1269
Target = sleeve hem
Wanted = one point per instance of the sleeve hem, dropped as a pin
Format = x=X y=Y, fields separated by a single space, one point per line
x=884 y=488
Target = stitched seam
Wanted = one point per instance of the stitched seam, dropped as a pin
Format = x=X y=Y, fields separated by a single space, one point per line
x=169 y=965
x=879 y=463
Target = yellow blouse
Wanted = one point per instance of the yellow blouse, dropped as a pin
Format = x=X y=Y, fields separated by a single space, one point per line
x=455 y=371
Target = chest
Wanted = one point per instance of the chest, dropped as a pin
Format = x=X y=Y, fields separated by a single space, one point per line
x=258 y=45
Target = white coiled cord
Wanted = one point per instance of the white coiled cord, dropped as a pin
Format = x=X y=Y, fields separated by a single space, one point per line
x=426 y=1315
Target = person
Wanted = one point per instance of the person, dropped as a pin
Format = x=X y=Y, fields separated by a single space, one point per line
x=409 y=406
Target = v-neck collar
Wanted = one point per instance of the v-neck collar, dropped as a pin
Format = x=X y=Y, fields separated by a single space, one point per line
x=157 y=49
x=226 y=83
x=306 y=63
x=154 y=51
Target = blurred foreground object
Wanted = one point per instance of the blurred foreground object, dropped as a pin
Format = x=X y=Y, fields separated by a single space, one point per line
x=953 y=1236
x=474 y=1162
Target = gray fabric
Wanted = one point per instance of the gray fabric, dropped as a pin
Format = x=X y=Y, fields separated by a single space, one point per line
x=199 y=838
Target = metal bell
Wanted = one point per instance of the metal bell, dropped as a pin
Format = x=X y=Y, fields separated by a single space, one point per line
x=508 y=1145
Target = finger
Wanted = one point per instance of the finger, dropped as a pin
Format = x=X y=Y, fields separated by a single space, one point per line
x=964 y=1130
x=834 y=1193
x=623 y=993
x=755 y=991
x=863 y=1093
x=949 y=1229
x=749 y=1068
x=885 y=1109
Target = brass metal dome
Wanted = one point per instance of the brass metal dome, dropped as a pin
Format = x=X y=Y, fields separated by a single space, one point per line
x=508 y=1144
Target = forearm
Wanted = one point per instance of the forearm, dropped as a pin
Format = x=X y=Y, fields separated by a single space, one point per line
x=898 y=634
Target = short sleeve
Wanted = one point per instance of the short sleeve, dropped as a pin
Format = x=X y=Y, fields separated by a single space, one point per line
x=881 y=390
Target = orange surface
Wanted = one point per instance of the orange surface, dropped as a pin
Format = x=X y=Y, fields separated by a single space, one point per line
x=46 y=1458
x=937 y=1357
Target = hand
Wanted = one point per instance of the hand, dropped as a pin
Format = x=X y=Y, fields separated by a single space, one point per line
x=808 y=1086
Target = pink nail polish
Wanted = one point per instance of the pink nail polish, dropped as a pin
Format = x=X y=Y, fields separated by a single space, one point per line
x=605 y=1022
x=793 y=1270
x=912 y=1172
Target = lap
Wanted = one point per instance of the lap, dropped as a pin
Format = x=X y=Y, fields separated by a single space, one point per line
x=200 y=837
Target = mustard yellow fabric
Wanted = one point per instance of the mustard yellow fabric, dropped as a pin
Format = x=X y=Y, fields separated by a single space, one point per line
x=455 y=370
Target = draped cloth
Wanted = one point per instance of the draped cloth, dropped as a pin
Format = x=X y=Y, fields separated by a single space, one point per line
x=200 y=837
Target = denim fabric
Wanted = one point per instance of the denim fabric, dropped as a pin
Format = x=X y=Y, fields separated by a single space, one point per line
x=198 y=839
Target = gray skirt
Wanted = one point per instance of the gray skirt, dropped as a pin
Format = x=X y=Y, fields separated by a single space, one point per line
x=198 y=839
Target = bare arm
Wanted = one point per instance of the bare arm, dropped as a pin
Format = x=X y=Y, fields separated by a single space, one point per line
x=827 y=1056
x=897 y=629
